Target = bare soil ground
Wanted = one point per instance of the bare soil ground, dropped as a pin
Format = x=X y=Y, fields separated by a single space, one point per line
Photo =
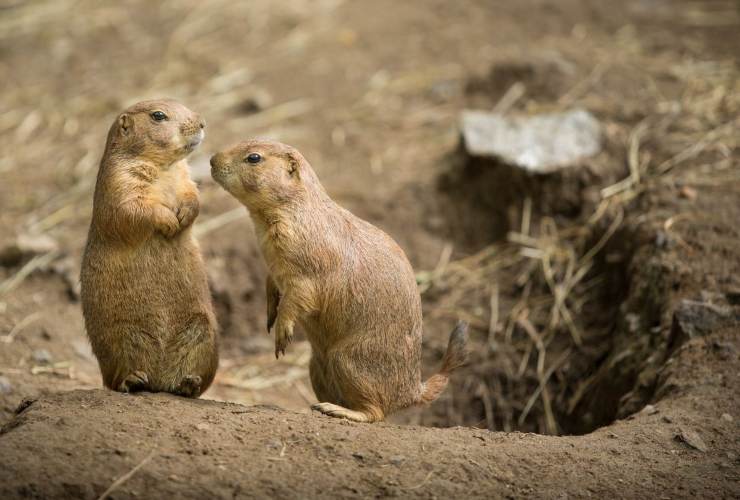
x=371 y=92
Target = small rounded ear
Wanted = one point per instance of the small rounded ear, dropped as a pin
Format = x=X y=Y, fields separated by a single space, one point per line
x=125 y=123
x=293 y=166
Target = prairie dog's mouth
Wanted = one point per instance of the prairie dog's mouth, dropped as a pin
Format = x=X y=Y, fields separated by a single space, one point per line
x=195 y=140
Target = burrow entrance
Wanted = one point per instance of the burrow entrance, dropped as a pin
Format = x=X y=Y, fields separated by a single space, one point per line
x=545 y=287
x=564 y=294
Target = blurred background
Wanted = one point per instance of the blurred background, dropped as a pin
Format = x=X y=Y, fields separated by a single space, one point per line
x=372 y=93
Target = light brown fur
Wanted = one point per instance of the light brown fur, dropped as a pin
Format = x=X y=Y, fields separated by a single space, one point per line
x=145 y=296
x=347 y=283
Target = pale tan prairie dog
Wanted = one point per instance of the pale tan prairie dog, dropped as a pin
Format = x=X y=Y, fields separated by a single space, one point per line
x=145 y=296
x=346 y=282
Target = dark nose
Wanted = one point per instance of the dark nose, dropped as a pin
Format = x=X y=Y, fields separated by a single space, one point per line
x=202 y=123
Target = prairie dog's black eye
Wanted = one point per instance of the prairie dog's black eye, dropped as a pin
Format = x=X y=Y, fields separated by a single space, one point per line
x=158 y=116
x=254 y=158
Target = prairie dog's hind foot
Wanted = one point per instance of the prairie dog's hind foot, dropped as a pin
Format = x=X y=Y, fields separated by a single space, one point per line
x=134 y=382
x=337 y=411
x=189 y=386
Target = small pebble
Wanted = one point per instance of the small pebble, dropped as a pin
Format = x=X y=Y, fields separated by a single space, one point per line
x=688 y=193
x=41 y=356
x=397 y=460
x=5 y=385
x=727 y=417
x=274 y=444
x=650 y=410
x=661 y=239
x=692 y=439
x=202 y=426
x=633 y=322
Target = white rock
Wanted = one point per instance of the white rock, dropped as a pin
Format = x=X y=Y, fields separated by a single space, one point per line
x=539 y=144
x=41 y=356
x=5 y=385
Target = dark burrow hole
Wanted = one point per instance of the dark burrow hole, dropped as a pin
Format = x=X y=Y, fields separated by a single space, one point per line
x=616 y=310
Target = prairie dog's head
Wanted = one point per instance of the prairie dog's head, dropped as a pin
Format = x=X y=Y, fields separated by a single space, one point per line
x=263 y=174
x=163 y=131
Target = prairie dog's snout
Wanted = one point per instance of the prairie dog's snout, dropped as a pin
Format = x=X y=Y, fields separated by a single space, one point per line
x=193 y=131
x=195 y=125
x=194 y=140
x=227 y=163
x=216 y=160
x=219 y=170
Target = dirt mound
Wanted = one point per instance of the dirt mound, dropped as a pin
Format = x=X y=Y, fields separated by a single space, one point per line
x=78 y=444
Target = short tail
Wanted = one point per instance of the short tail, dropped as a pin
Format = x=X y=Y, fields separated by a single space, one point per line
x=455 y=357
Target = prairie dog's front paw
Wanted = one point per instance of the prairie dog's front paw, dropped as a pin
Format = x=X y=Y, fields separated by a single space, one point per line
x=283 y=336
x=187 y=212
x=166 y=222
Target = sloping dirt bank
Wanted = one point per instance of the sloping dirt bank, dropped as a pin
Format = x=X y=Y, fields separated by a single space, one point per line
x=77 y=444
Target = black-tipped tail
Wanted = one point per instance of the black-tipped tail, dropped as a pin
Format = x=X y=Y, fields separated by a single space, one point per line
x=455 y=357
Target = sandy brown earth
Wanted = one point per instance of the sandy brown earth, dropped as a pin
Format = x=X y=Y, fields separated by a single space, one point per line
x=75 y=444
x=371 y=93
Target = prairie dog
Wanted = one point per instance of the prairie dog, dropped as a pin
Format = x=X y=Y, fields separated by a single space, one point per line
x=145 y=296
x=347 y=283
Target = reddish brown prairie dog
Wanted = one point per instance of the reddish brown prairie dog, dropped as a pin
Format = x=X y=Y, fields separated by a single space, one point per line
x=145 y=296
x=345 y=281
